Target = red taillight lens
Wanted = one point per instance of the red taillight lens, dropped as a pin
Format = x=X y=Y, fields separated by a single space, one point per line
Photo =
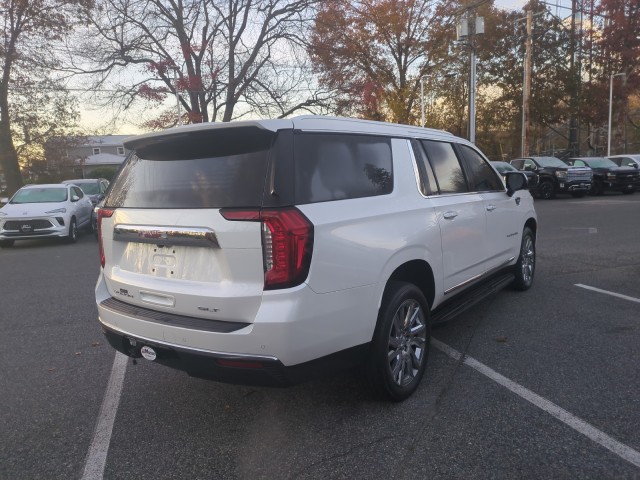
x=102 y=213
x=287 y=243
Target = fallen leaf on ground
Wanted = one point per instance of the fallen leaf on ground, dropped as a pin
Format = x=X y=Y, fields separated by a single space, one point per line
x=501 y=339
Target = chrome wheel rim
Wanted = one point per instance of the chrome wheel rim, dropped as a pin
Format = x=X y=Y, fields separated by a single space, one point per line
x=407 y=340
x=74 y=231
x=528 y=260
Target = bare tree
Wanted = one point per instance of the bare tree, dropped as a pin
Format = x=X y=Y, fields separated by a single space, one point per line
x=213 y=54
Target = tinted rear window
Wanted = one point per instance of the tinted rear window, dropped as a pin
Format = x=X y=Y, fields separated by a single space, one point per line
x=210 y=169
x=336 y=167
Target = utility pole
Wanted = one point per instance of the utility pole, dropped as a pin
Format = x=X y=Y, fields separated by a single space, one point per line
x=472 y=90
x=610 y=104
x=575 y=63
x=526 y=83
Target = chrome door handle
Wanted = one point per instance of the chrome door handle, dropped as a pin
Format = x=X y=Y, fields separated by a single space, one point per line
x=491 y=208
x=450 y=215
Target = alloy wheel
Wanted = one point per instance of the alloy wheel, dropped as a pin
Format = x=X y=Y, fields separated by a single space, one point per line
x=407 y=340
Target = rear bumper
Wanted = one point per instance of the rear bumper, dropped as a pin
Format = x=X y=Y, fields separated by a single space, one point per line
x=295 y=335
x=235 y=368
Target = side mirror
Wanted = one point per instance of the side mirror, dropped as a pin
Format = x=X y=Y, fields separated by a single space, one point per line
x=516 y=181
x=75 y=198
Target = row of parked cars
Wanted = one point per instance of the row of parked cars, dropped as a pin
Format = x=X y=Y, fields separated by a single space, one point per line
x=577 y=176
x=51 y=211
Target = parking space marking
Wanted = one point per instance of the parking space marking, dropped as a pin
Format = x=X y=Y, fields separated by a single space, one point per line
x=97 y=456
x=606 y=292
x=623 y=451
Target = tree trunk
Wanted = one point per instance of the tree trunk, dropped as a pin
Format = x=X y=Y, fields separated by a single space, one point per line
x=8 y=154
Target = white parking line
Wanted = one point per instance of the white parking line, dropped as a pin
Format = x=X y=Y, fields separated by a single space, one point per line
x=97 y=456
x=613 y=294
x=620 y=449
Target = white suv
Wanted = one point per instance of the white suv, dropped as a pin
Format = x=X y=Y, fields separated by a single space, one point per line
x=264 y=252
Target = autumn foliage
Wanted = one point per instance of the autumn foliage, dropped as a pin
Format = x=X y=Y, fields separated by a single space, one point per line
x=373 y=53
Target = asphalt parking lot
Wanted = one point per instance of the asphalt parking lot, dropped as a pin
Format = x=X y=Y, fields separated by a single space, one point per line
x=548 y=387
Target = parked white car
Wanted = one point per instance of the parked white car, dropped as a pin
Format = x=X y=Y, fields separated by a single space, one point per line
x=267 y=251
x=41 y=211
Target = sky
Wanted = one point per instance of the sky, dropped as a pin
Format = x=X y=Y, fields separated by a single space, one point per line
x=510 y=4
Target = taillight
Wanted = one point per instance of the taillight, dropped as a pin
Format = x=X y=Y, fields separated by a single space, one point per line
x=287 y=243
x=102 y=213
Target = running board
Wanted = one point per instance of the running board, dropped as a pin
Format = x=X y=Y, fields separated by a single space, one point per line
x=461 y=302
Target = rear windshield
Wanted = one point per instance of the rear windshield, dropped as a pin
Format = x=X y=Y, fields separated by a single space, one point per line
x=209 y=169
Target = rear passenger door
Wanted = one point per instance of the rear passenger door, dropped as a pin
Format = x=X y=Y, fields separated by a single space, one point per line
x=460 y=213
x=503 y=213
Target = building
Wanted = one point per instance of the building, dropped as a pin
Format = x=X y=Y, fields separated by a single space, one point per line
x=83 y=155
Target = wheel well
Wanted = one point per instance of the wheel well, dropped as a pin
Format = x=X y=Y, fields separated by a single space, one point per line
x=420 y=274
x=533 y=225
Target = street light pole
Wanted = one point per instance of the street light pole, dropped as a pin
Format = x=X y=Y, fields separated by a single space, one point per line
x=422 y=99
x=175 y=86
x=610 y=102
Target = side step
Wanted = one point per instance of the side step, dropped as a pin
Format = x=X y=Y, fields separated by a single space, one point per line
x=465 y=300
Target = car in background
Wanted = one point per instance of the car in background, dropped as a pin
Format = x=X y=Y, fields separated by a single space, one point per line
x=532 y=177
x=45 y=211
x=607 y=175
x=555 y=176
x=94 y=188
x=631 y=160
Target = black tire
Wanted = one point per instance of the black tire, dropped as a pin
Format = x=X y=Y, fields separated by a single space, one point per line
x=396 y=377
x=525 y=268
x=6 y=243
x=546 y=190
x=578 y=194
x=596 y=188
x=629 y=192
x=72 y=236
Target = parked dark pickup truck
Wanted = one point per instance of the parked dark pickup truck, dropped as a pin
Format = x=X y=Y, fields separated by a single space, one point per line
x=555 y=176
x=609 y=176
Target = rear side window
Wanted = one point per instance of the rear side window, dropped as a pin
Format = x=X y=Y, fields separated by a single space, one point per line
x=337 y=167
x=208 y=169
x=446 y=166
x=480 y=175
